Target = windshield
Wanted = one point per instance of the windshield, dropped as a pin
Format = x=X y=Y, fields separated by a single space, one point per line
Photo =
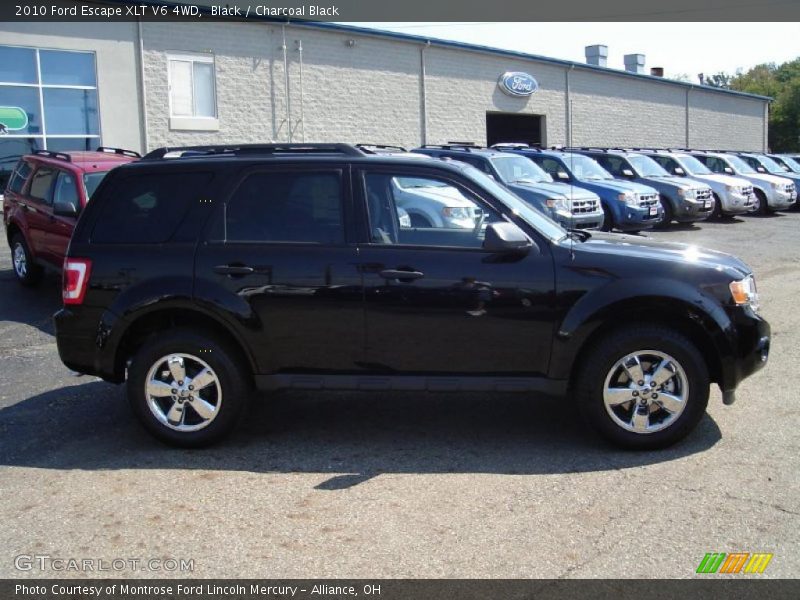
x=646 y=166
x=543 y=224
x=415 y=182
x=692 y=166
x=91 y=181
x=790 y=162
x=770 y=165
x=516 y=168
x=739 y=165
x=583 y=168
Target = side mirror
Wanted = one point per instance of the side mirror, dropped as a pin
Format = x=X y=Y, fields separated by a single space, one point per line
x=562 y=175
x=506 y=237
x=761 y=169
x=728 y=170
x=65 y=209
x=627 y=173
x=679 y=171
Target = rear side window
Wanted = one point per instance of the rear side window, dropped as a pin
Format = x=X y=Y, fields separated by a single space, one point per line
x=19 y=176
x=299 y=206
x=42 y=184
x=147 y=207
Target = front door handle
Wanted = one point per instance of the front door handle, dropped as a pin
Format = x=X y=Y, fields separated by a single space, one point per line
x=401 y=275
x=233 y=270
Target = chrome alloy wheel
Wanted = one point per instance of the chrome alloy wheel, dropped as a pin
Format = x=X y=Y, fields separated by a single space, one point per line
x=183 y=392
x=645 y=391
x=20 y=261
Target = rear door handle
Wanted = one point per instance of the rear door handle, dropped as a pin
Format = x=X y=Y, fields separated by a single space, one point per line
x=401 y=275
x=233 y=270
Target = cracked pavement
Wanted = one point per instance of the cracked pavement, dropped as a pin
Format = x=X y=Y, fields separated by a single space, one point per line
x=402 y=485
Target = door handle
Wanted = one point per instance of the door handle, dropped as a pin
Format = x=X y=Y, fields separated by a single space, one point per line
x=401 y=275
x=233 y=270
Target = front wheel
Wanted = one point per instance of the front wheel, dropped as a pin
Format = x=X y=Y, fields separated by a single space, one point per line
x=761 y=205
x=188 y=389
x=608 y=220
x=667 y=208
x=643 y=387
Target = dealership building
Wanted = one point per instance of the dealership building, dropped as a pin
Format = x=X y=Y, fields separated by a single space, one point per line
x=145 y=84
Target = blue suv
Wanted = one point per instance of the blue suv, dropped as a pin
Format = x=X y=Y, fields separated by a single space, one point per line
x=571 y=206
x=682 y=200
x=628 y=206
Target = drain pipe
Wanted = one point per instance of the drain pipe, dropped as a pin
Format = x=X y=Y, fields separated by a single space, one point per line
x=568 y=107
x=688 y=102
x=286 y=85
x=142 y=89
x=302 y=101
x=423 y=93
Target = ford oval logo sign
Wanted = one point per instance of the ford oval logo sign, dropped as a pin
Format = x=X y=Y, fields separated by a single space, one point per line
x=516 y=83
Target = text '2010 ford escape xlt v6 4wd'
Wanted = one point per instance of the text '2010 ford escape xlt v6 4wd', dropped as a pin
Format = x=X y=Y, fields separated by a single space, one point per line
x=197 y=273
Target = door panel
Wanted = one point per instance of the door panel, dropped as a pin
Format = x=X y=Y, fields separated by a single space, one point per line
x=279 y=261
x=460 y=310
x=60 y=229
x=39 y=211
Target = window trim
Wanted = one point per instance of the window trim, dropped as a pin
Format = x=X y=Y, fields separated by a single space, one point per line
x=193 y=122
x=42 y=136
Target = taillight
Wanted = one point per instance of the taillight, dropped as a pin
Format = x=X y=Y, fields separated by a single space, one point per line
x=76 y=279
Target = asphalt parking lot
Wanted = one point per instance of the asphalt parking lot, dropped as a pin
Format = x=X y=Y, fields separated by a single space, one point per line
x=402 y=485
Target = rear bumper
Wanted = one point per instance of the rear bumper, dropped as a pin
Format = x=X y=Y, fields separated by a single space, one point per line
x=82 y=343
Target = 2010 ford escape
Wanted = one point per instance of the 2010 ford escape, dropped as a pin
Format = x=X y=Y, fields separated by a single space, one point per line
x=199 y=272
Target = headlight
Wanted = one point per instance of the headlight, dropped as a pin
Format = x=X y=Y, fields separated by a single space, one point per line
x=744 y=292
x=628 y=198
x=456 y=212
x=777 y=186
x=733 y=189
x=561 y=204
x=689 y=193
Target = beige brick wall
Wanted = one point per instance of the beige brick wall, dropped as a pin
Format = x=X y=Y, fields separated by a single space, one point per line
x=370 y=91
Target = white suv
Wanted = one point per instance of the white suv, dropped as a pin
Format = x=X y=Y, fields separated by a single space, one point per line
x=772 y=191
x=733 y=195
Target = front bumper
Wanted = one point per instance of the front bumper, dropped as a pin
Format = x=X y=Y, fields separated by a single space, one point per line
x=689 y=211
x=635 y=218
x=749 y=339
x=737 y=204
x=592 y=220
x=778 y=200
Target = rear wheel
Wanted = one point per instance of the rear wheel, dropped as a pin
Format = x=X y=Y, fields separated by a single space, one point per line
x=643 y=387
x=27 y=272
x=188 y=389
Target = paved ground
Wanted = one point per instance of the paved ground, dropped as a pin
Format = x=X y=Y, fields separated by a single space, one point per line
x=356 y=485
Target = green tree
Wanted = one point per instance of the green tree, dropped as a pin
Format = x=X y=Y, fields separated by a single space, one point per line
x=782 y=82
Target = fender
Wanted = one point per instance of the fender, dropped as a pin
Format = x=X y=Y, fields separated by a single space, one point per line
x=666 y=296
x=161 y=295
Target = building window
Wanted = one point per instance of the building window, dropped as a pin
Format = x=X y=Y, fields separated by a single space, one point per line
x=48 y=100
x=192 y=91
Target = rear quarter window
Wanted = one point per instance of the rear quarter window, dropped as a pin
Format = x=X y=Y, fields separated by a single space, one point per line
x=19 y=176
x=146 y=207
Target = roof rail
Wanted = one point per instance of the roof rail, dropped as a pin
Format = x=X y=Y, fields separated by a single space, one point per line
x=52 y=154
x=515 y=146
x=592 y=148
x=253 y=149
x=120 y=151
x=468 y=146
x=379 y=148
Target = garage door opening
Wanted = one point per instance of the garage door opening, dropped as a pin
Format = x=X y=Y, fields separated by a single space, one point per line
x=512 y=127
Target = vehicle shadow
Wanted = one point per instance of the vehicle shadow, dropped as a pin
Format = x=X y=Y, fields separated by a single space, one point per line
x=350 y=436
x=31 y=306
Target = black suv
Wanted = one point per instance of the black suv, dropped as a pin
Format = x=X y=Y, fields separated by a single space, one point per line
x=199 y=272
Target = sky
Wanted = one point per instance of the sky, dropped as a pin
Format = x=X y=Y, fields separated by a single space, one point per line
x=680 y=48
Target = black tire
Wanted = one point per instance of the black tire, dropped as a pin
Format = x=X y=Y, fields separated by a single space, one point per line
x=608 y=219
x=28 y=273
x=667 y=208
x=227 y=368
x=418 y=221
x=717 y=212
x=761 y=200
x=598 y=364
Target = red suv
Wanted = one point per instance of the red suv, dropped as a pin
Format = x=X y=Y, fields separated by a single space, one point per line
x=46 y=192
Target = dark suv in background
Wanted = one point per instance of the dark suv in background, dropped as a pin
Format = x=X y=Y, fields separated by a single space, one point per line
x=197 y=273
x=46 y=192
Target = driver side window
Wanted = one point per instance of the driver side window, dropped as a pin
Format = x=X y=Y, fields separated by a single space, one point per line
x=424 y=211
